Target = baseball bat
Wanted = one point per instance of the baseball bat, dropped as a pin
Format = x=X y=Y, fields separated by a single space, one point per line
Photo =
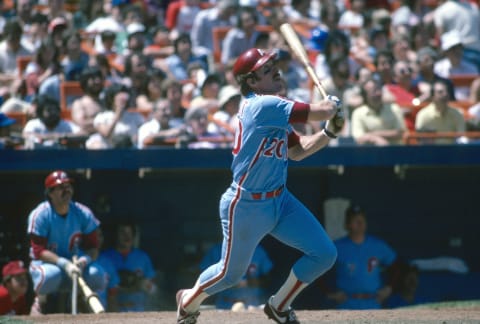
x=298 y=49
x=74 y=294
x=91 y=298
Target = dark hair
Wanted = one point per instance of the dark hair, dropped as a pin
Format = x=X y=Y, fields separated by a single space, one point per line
x=336 y=37
x=181 y=38
x=111 y=92
x=12 y=26
x=88 y=73
x=374 y=79
x=353 y=210
x=250 y=10
x=440 y=81
x=385 y=53
x=128 y=61
x=42 y=101
x=169 y=83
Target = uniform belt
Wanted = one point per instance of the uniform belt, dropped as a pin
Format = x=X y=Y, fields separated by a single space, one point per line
x=268 y=194
x=362 y=296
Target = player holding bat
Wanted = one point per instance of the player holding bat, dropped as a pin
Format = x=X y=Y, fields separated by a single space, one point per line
x=258 y=202
x=55 y=227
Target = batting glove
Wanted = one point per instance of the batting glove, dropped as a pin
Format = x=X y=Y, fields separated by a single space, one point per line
x=334 y=125
x=336 y=101
x=83 y=261
x=70 y=268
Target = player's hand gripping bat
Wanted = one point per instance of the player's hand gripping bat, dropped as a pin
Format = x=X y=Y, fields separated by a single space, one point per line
x=299 y=50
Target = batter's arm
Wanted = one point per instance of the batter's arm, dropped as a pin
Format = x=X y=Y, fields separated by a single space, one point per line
x=307 y=145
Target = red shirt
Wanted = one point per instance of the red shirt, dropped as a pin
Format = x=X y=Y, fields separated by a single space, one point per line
x=7 y=307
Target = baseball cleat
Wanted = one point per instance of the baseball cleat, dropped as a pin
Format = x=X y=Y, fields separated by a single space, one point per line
x=182 y=316
x=286 y=317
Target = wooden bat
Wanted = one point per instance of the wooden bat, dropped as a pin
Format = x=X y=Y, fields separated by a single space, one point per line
x=299 y=50
x=91 y=297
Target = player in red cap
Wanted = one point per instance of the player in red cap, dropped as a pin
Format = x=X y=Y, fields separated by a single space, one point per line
x=13 y=289
x=60 y=228
x=258 y=203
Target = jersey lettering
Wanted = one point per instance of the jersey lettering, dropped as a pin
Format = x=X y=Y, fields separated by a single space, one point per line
x=275 y=148
x=238 y=138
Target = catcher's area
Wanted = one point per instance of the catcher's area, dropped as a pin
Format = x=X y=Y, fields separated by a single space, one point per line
x=444 y=315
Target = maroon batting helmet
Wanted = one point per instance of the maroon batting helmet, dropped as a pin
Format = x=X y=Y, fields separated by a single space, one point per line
x=56 y=178
x=252 y=60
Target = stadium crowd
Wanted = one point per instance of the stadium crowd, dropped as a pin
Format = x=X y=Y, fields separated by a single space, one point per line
x=95 y=75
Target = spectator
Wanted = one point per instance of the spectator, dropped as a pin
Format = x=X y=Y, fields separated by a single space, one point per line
x=384 y=62
x=358 y=270
x=426 y=75
x=107 y=44
x=85 y=108
x=251 y=290
x=225 y=121
x=376 y=122
x=56 y=29
x=110 y=74
x=136 y=67
x=298 y=11
x=6 y=139
x=160 y=127
x=48 y=129
x=10 y=49
x=172 y=90
x=60 y=228
x=294 y=75
x=134 y=269
x=353 y=17
x=161 y=46
x=209 y=91
x=401 y=49
x=439 y=116
x=474 y=111
x=464 y=18
x=403 y=89
x=177 y=64
x=453 y=63
x=116 y=122
x=154 y=79
x=206 y=20
x=37 y=32
x=75 y=59
x=180 y=16
x=197 y=134
x=242 y=37
x=13 y=289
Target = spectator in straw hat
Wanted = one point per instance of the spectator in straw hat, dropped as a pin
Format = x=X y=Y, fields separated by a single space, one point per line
x=225 y=120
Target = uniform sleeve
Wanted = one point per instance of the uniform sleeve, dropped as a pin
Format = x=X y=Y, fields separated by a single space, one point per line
x=37 y=221
x=90 y=222
x=273 y=111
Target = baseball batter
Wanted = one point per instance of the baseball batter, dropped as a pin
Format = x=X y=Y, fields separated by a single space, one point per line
x=258 y=202
x=60 y=228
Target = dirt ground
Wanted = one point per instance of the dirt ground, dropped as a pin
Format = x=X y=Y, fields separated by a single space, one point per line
x=409 y=315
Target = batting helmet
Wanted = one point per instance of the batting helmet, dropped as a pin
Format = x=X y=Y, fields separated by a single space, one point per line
x=56 y=178
x=252 y=60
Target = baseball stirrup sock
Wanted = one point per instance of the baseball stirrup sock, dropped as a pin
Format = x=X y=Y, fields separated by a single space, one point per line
x=287 y=293
x=192 y=300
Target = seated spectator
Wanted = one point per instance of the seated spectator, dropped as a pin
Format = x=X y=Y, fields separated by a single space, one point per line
x=172 y=90
x=13 y=289
x=48 y=129
x=116 y=122
x=426 y=75
x=85 y=108
x=474 y=111
x=161 y=46
x=251 y=291
x=242 y=37
x=353 y=17
x=180 y=16
x=6 y=138
x=178 y=62
x=403 y=89
x=197 y=134
x=107 y=44
x=153 y=91
x=439 y=116
x=454 y=63
x=225 y=120
x=10 y=49
x=136 y=68
x=358 y=270
x=376 y=122
x=74 y=59
x=209 y=91
x=160 y=128
x=294 y=75
x=135 y=270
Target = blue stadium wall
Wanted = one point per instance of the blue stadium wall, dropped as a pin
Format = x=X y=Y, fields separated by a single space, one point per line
x=422 y=200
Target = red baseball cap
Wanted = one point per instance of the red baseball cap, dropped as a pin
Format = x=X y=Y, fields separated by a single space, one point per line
x=13 y=268
x=56 y=178
x=251 y=60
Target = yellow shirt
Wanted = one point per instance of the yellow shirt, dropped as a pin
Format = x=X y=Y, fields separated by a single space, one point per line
x=365 y=120
x=430 y=119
